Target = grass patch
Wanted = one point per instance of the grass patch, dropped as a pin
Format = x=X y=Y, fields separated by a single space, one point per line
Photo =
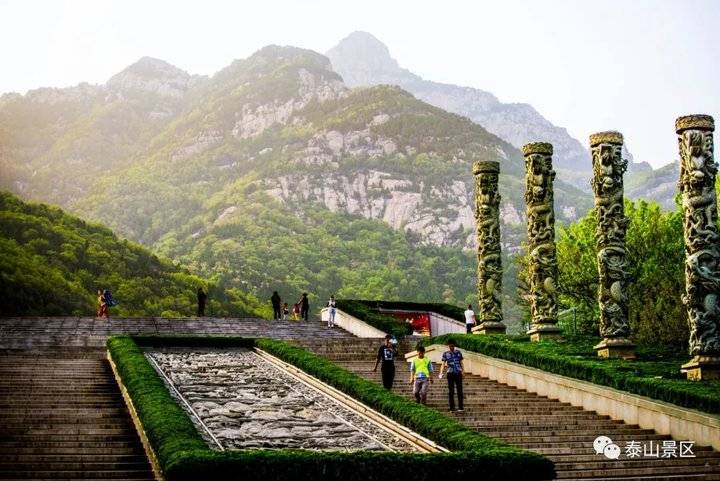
x=655 y=373
x=183 y=455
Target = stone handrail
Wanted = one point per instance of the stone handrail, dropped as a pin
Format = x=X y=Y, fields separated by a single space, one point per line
x=445 y=325
x=665 y=418
x=351 y=324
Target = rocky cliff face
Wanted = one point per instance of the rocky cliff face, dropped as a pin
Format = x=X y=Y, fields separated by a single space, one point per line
x=282 y=118
x=361 y=59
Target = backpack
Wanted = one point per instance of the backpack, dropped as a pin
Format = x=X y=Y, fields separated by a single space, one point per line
x=109 y=299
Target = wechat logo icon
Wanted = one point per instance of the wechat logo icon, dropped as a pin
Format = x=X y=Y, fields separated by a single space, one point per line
x=604 y=445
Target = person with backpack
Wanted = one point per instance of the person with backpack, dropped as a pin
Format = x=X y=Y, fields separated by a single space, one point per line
x=386 y=355
x=332 y=305
x=421 y=369
x=109 y=302
x=452 y=361
x=201 y=298
x=275 y=299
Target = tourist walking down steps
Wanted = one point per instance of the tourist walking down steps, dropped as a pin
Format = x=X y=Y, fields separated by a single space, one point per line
x=421 y=369
x=386 y=355
x=452 y=361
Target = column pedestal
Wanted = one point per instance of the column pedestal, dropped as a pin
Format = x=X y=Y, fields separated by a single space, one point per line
x=616 y=348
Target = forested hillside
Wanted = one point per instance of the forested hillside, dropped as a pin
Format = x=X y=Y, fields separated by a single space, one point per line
x=53 y=263
x=272 y=174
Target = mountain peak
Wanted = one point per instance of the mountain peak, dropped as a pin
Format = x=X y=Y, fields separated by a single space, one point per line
x=361 y=56
x=151 y=75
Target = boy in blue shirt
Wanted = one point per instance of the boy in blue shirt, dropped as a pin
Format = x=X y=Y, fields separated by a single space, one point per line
x=452 y=361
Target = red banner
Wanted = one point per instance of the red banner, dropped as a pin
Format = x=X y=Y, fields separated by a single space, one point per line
x=420 y=321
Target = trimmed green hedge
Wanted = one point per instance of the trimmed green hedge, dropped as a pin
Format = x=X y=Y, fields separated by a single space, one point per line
x=654 y=374
x=183 y=455
x=368 y=311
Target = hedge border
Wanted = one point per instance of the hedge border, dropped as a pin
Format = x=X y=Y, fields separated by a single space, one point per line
x=504 y=347
x=184 y=455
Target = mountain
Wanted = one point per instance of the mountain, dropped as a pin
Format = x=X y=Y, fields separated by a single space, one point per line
x=362 y=60
x=272 y=174
x=659 y=185
x=53 y=263
x=56 y=143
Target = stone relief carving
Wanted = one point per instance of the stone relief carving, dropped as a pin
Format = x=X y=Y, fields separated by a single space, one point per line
x=607 y=184
x=539 y=177
x=487 y=205
x=702 y=256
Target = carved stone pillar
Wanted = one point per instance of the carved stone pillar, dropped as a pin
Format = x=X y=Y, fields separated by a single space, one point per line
x=607 y=183
x=487 y=216
x=702 y=257
x=539 y=176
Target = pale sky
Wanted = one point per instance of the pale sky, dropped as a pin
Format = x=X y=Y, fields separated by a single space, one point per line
x=632 y=66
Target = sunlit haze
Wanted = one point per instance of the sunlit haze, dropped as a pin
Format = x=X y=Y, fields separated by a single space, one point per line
x=586 y=66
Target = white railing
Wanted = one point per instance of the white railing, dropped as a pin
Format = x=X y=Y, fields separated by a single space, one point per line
x=351 y=324
x=440 y=325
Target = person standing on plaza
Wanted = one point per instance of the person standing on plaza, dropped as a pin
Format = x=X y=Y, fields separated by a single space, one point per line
x=421 y=369
x=386 y=355
x=201 y=298
x=102 y=305
x=304 y=306
x=285 y=311
x=452 y=362
x=275 y=299
x=332 y=309
x=469 y=319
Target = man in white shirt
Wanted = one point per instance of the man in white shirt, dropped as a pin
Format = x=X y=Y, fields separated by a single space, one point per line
x=469 y=319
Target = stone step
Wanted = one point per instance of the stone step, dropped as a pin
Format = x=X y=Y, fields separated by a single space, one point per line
x=636 y=471
x=63 y=417
x=32 y=441
x=108 y=473
x=558 y=430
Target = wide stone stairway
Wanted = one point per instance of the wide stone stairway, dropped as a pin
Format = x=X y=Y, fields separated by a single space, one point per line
x=560 y=431
x=61 y=412
x=63 y=417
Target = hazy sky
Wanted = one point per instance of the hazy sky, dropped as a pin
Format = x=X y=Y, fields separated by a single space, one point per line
x=631 y=66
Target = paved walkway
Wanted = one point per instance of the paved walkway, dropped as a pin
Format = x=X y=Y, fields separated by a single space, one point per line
x=87 y=332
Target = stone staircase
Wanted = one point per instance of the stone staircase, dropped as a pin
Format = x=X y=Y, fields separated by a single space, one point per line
x=560 y=431
x=61 y=412
x=63 y=417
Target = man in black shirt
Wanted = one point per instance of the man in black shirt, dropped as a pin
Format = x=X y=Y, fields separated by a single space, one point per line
x=304 y=307
x=202 y=297
x=386 y=355
x=275 y=299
